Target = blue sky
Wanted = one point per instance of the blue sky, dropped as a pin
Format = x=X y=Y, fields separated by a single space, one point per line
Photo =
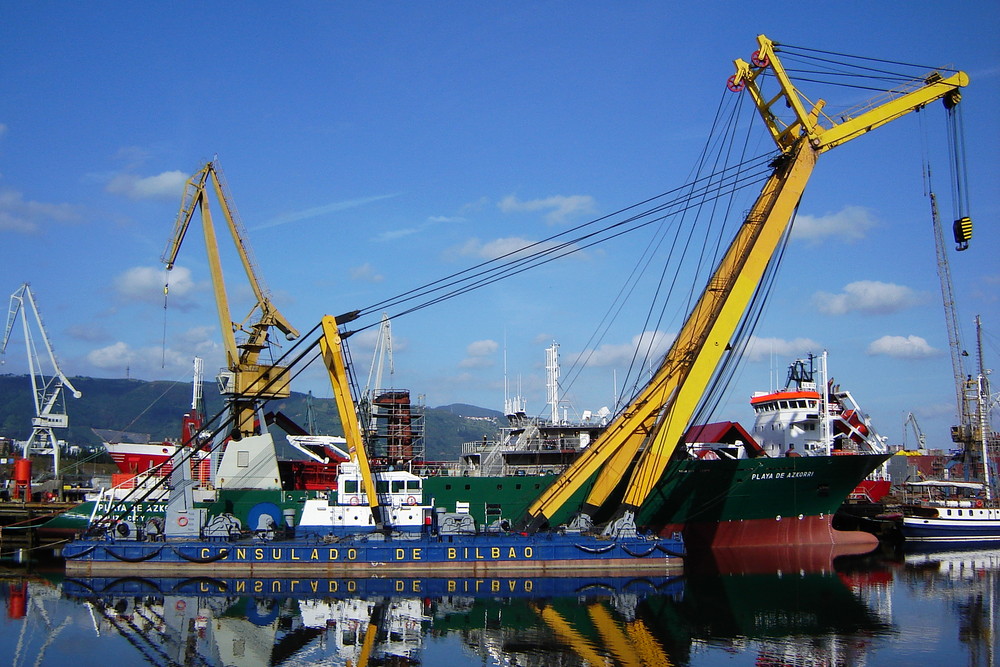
x=373 y=147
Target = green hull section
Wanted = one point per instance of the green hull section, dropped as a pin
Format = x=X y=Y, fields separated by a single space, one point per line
x=694 y=491
x=761 y=488
x=244 y=504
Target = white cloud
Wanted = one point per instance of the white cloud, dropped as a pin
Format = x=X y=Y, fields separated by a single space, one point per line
x=144 y=284
x=480 y=354
x=393 y=234
x=493 y=249
x=366 y=273
x=155 y=361
x=510 y=248
x=867 y=296
x=117 y=355
x=18 y=215
x=561 y=208
x=651 y=345
x=482 y=347
x=366 y=340
x=902 y=347
x=168 y=185
x=761 y=349
x=849 y=224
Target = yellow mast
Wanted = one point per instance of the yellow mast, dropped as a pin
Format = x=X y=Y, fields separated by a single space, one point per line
x=645 y=434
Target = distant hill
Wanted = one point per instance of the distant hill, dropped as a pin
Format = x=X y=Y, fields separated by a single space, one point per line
x=464 y=410
x=156 y=408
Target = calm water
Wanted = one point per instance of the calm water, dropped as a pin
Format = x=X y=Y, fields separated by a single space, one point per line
x=762 y=609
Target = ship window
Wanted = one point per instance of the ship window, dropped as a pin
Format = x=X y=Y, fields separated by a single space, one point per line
x=413 y=484
x=959 y=512
x=243 y=458
x=351 y=486
x=467 y=487
x=398 y=486
x=447 y=487
x=499 y=487
x=517 y=487
x=381 y=486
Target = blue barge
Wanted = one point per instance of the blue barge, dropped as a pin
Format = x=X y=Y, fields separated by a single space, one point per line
x=484 y=553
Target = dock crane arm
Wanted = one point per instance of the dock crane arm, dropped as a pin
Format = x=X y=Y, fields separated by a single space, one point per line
x=951 y=323
x=806 y=124
x=46 y=392
x=249 y=377
x=911 y=420
x=645 y=435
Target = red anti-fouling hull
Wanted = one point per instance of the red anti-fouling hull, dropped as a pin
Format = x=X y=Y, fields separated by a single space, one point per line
x=807 y=531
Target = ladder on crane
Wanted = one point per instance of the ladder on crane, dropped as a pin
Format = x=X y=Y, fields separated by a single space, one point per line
x=47 y=391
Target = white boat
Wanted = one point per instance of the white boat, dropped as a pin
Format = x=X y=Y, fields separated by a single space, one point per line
x=949 y=511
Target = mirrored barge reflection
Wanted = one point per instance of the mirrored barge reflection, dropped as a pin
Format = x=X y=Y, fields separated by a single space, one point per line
x=785 y=607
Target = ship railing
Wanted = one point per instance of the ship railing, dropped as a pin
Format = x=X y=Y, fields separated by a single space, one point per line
x=479 y=446
x=437 y=469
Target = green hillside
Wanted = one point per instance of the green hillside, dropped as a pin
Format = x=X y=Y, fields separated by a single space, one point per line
x=156 y=408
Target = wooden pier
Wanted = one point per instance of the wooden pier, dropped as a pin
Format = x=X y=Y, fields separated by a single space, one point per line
x=20 y=538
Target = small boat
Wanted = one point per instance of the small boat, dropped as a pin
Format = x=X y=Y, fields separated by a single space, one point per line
x=950 y=512
x=968 y=512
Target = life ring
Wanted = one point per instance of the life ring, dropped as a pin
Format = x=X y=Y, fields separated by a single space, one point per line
x=354 y=500
x=411 y=501
x=979 y=503
x=182 y=521
x=181 y=605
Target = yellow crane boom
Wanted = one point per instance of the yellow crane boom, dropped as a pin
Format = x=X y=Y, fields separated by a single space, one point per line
x=331 y=346
x=249 y=380
x=644 y=436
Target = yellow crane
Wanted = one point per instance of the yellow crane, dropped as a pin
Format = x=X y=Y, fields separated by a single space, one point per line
x=331 y=346
x=246 y=381
x=643 y=437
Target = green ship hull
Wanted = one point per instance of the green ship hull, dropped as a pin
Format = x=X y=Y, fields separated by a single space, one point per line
x=745 y=502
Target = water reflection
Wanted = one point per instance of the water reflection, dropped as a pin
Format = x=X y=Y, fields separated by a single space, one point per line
x=363 y=621
x=968 y=582
x=771 y=608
